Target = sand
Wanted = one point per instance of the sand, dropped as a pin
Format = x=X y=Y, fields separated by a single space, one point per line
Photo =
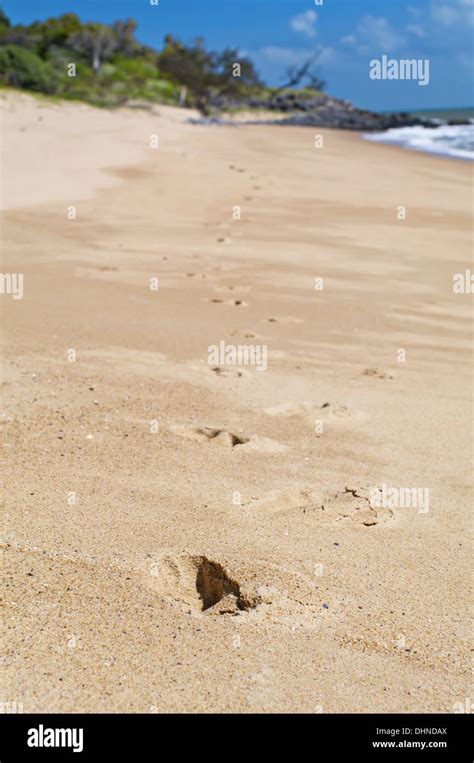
x=143 y=484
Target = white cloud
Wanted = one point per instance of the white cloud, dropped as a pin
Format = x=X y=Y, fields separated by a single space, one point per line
x=375 y=33
x=445 y=15
x=304 y=23
x=453 y=13
x=287 y=56
x=416 y=29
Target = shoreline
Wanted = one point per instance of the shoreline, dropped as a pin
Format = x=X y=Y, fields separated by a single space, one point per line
x=88 y=181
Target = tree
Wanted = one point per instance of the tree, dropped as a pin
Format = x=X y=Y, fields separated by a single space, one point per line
x=205 y=73
x=127 y=45
x=96 y=42
x=296 y=75
x=53 y=32
x=5 y=22
x=225 y=63
x=20 y=67
x=36 y=57
x=315 y=83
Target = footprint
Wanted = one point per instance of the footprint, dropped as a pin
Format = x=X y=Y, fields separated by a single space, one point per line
x=203 y=587
x=353 y=505
x=283 y=319
x=232 y=302
x=207 y=434
x=348 y=505
x=327 y=411
x=376 y=373
x=245 y=333
x=219 y=371
x=224 y=438
x=287 y=410
x=278 y=501
x=336 y=411
x=199 y=583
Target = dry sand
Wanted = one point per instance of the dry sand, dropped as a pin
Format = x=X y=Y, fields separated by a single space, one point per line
x=117 y=535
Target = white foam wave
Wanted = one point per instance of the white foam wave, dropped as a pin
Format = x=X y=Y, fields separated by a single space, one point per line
x=447 y=140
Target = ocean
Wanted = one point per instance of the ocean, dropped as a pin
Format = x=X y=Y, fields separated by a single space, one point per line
x=445 y=140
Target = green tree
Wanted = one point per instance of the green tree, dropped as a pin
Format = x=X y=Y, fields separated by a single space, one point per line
x=5 y=22
x=96 y=42
x=53 y=32
x=23 y=68
x=205 y=73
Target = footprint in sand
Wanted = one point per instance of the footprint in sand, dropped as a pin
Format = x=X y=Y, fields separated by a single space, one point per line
x=245 y=333
x=283 y=319
x=350 y=505
x=231 y=372
x=334 y=412
x=236 y=302
x=376 y=374
x=227 y=439
x=288 y=499
x=205 y=588
x=198 y=583
x=354 y=505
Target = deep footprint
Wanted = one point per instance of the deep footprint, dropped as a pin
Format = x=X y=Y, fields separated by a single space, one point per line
x=224 y=437
x=219 y=371
x=200 y=583
x=376 y=374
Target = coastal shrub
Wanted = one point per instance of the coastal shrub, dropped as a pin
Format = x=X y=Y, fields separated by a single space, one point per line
x=112 y=65
x=4 y=23
x=160 y=90
x=23 y=68
x=134 y=69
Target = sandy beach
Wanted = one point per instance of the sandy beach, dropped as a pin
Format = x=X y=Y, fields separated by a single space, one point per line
x=186 y=536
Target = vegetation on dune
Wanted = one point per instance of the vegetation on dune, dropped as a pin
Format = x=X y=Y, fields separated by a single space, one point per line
x=106 y=65
x=205 y=73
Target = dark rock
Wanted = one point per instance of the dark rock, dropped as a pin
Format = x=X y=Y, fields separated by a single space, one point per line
x=320 y=110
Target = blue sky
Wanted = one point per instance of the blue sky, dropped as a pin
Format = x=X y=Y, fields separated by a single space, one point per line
x=277 y=34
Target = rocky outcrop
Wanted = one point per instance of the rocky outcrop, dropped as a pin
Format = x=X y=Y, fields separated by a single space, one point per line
x=320 y=110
